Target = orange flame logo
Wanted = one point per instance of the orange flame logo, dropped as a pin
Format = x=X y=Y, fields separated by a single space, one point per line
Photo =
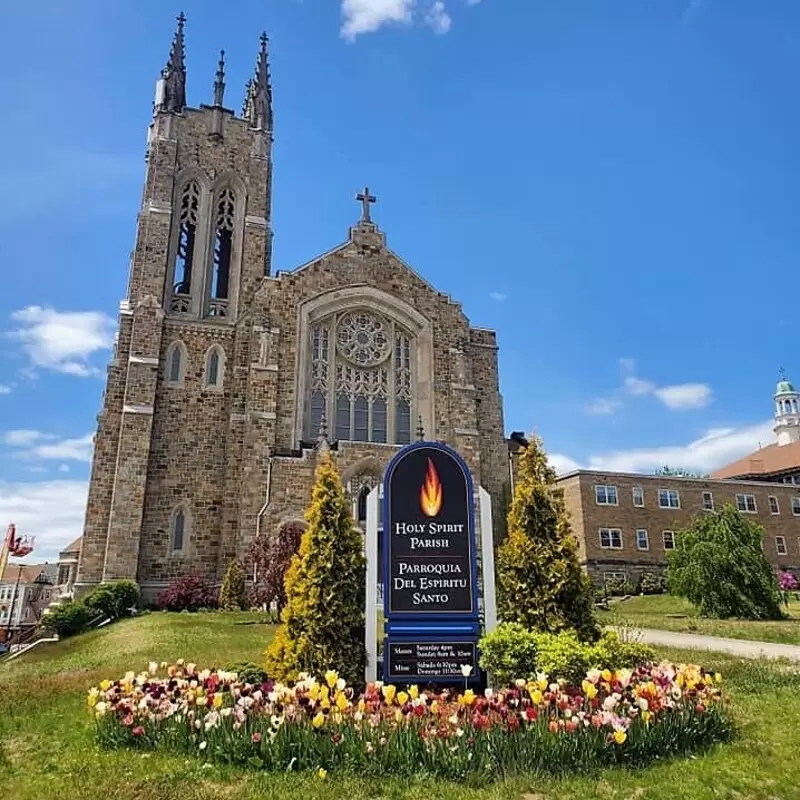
x=430 y=495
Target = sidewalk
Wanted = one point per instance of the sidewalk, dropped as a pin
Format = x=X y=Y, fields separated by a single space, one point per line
x=738 y=647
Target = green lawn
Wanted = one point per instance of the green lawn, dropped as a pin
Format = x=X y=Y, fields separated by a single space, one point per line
x=47 y=747
x=667 y=613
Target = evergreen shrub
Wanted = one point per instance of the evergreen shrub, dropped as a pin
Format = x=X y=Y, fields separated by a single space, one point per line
x=322 y=625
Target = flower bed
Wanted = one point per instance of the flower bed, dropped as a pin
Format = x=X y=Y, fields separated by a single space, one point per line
x=623 y=717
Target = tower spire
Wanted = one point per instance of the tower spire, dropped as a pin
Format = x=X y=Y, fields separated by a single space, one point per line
x=173 y=89
x=219 y=83
x=258 y=103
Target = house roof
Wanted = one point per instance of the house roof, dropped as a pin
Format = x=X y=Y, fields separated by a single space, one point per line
x=27 y=573
x=770 y=460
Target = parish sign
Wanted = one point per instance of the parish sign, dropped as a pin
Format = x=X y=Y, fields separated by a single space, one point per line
x=430 y=565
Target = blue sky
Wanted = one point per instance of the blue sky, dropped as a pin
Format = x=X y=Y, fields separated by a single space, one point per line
x=611 y=185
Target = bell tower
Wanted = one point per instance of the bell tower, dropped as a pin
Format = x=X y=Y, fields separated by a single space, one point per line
x=203 y=246
x=787 y=412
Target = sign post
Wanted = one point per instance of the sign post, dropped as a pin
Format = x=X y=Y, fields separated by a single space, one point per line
x=430 y=567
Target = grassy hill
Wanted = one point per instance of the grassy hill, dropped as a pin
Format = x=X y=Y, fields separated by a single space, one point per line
x=47 y=747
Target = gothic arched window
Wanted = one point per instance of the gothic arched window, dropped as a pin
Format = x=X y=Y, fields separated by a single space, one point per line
x=178 y=530
x=176 y=364
x=224 y=218
x=187 y=245
x=361 y=375
x=215 y=366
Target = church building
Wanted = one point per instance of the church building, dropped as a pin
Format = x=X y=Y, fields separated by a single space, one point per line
x=226 y=375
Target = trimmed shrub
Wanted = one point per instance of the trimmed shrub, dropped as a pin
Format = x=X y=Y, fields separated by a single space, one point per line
x=618 y=587
x=114 y=599
x=508 y=653
x=247 y=672
x=189 y=593
x=323 y=623
x=720 y=567
x=652 y=583
x=611 y=652
x=68 y=619
x=233 y=595
x=540 y=582
x=511 y=652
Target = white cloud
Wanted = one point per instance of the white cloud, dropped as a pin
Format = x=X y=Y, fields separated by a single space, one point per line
x=29 y=444
x=717 y=447
x=561 y=463
x=366 y=16
x=498 y=296
x=637 y=386
x=677 y=397
x=5 y=389
x=62 y=340
x=604 y=406
x=52 y=511
x=473 y=2
x=63 y=468
x=437 y=17
x=23 y=438
x=684 y=395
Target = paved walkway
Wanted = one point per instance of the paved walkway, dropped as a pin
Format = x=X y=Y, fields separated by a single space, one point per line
x=738 y=647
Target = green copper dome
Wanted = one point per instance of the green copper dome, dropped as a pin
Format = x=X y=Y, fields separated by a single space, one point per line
x=785 y=387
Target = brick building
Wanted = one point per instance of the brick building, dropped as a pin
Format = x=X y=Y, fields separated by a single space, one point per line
x=225 y=374
x=626 y=523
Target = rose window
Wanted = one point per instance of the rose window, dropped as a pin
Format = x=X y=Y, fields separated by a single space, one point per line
x=363 y=339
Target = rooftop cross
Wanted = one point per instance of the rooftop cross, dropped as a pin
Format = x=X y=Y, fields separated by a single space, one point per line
x=782 y=373
x=366 y=198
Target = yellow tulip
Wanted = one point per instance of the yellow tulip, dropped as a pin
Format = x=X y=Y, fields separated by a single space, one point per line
x=389 y=692
x=105 y=685
x=398 y=716
x=402 y=698
x=413 y=691
x=217 y=701
x=325 y=703
x=469 y=697
x=323 y=773
x=606 y=675
x=319 y=720
x=646 y=716
x=717 y=677
x=313 y=692
x=620 y=737
x=536 y=697
x=589 y=689
x=362 y=706
x=341 y=701
x=331 y=676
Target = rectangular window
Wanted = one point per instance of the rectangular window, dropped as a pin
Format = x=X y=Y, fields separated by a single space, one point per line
x=611 y=538
x=638 y=496
x=746 y=503
x=614 y=576
x=605 y=495
x=669 y=498
x=669 y=540
x=780 y=545
x=708 y=501
x=796 y=506
x=788 y=479
x=642 y=540
x=774 y=508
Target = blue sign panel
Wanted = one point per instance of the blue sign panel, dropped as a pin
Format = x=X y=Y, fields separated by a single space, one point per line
x=430 y=565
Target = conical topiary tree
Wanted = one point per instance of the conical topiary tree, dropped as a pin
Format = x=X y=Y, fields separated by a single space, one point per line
x=322 y=624
x=540 y=583
x=233 y=595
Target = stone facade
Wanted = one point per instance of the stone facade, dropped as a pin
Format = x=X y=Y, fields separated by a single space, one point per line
x=215 y=396
x=615 y=509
